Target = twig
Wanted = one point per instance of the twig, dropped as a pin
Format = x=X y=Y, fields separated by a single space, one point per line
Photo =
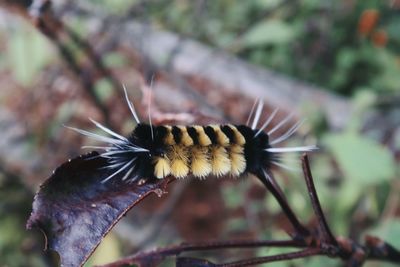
x=280 y=257
x=210 y=245
x=327 y=235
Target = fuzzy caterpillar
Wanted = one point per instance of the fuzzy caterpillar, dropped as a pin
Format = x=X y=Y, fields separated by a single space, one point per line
x=159 y=151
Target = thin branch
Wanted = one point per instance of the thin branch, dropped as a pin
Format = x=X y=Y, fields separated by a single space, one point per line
x=308 y=252
x=380 y=250
x=203 y=246
x=327 y=235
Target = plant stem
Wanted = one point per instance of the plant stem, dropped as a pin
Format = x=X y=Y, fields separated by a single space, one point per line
x=327 y=236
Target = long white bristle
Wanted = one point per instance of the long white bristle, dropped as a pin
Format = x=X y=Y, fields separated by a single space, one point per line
x=118 y=171
x=288 y=133
x=128 y=173
x=131 y=106
x=97 y=136
x=251 y=112
x=291 y=149
x=136 y=148
x=97 y=147
x=149 y=111
x=279 y=125
x=107 y=130
x=258 y=114
x=112 y=166
x=266 y=123
x=114 y=152
x=283 y=166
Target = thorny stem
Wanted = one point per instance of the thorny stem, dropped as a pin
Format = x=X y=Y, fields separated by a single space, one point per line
x=327 y=236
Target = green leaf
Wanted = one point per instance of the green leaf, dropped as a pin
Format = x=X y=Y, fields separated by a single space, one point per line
x=361 y=159
x=268 y=32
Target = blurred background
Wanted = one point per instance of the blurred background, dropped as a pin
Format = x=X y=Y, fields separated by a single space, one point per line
x=336 y=63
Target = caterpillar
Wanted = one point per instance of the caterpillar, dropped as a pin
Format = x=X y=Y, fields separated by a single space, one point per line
x=198 y=150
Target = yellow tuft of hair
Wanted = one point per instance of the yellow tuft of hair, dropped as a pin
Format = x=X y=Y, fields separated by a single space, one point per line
x=179 y=168
x=179 y=161
x=204 y=140
x=220 y=161
x=186 y=139
x=238 y=162
x=222 y=139
x=240 y=140
x=169 y=138
x=201 y=165
x=162 y=167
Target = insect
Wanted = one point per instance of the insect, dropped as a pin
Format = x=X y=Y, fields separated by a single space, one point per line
x=197 y=150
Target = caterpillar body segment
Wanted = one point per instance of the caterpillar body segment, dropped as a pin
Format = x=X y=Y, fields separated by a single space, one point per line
x=180 y=151
x=199 y=150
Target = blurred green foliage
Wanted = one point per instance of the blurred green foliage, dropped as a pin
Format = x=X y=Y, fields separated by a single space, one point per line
x=25 y=43
x=17 y=246
x=363 y=161
x=322 y=42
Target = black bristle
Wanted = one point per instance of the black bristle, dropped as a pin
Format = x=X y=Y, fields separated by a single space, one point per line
x=177 y=133
x=193 y=134
x=246 y=131
x=211 y=134
x=254 y=148
x=229 y=133
x=142 y=132
x=160 y=133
